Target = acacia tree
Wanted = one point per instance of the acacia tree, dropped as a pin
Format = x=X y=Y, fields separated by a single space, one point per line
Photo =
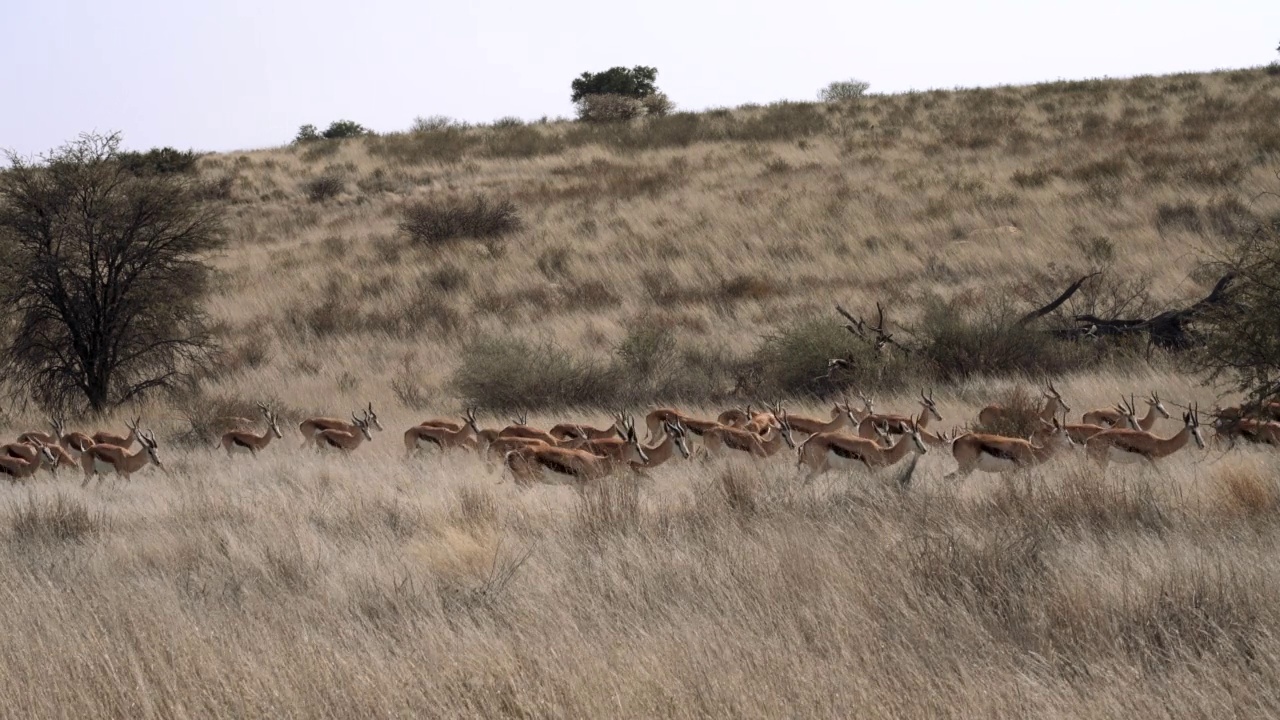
x=1242 y=335
x=103 y=276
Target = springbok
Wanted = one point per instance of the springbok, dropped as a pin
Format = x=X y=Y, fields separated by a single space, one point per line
x=345 y=440
x=440 y=437
x=44 y=437
x=235 y=441
x=1080 y=433
x=520 y=427
x=18 y=468
x=103 y=437
x=733 y=417
x=673 y=439
x=1112 y=417
x=759 y=445
x=1131 y=446
x=73 y=442
x=899 y=424
x=311 y=427
x=104 y=458
x=999 y=454
x=1053 y=404
x=842 y=414
x=554 y=465
x=838 y=450
x=565 y=431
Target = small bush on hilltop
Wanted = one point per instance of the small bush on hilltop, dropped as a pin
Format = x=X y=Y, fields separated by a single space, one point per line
x=842 y=90
x=158 y=161
x=430 y=222
x=337 y=130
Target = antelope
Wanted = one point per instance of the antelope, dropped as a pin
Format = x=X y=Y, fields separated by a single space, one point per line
x=311 y=427
x=20 y=469
x=564 y=431
x=1108 y=417
x=1053 y=404
x=733 y=417
x=898 y=424
x=1125 y=418
x=44 y=437
x=999 y=454
x=1131 y=446
x=836 y=450
x=102 y=437
x=74 y=442
x=674 y=439
x=103 y=458
x=554 y=465
x=1256 y=431
x=521 y=428
x=441 y=437
x=345 y=440
x=841 y=414
x=759 y=445
x=614 y=447
x=50 y=456
x=234 y=441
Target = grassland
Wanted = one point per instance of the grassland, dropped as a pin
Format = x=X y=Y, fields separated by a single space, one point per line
x=298 y=585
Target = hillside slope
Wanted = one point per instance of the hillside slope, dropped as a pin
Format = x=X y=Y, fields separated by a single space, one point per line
x=727 y=224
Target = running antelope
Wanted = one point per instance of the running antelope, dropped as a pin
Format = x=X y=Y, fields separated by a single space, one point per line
x=105 y=458
x=698 y=428
x=1255 y=431
x=440 y=437
x=235 y=441
x=674 y=439
x=1080 y=433
x=564 y=431
x=44 y=437
x=1112 y=417
x=1131 y=446
x=838 y=451
x=1053 y=404
x=520 y=427
x=999 y=454
x=616 y=446
x=498 y=448
x=312 y=427
x=345 y=440
x=20 y=469
x=102 y=437
x=841 y=414
x=899 y=424
x=557 y=466
x=73 y=442
x=760 y=445
x=30 y=452
x=733 y=417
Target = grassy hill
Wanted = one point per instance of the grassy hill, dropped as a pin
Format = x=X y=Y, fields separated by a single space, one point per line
x=697 y=256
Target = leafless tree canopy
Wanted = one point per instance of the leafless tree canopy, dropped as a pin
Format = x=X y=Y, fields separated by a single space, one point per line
x=103 y=276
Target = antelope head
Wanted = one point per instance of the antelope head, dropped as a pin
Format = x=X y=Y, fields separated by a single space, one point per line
x=929 y=405
x=1154 y=402
x=363 y=425
x=1052 y=393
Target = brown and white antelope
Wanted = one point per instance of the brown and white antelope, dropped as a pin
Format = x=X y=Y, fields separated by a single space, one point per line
x=838 y=450
x=104 y=458
x=1113 y=417
x=1053 y=404
x=520 y=427
x=759 y=445
x=733 y=417
x=842 y=414
x=345 y=440
x=44 y=437
x=73 y=442
x=615 y=446
x=999 y=454
x=311 y=427
x=558 y=466
x=103 y=437
x=565 y=431
x=674 y=438
x=899 y=424
x=235 y=441
x=1131 y=446
x=442 y=438
x=17 y=468
x=1081 y=432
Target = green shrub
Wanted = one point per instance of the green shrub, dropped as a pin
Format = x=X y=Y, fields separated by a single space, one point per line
x=430 y=222
x=609 y=107
x=637 y=82
x=340 y=129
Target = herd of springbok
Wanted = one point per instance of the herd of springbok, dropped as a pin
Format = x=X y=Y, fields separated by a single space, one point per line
x=573 y=453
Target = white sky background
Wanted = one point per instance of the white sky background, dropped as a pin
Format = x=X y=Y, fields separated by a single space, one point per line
x=239 y=74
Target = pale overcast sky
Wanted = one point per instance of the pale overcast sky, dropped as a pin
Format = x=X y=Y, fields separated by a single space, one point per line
x=239 y=74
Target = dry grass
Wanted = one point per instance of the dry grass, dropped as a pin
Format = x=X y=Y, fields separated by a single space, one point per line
x=299 y=585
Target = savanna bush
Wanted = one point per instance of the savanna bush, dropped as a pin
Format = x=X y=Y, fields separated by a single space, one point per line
x=609 y=107
x=440 y=220
x=843 y=90
x=324 y=187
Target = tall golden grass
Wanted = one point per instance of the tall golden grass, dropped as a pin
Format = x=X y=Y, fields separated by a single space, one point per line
x=313 y=585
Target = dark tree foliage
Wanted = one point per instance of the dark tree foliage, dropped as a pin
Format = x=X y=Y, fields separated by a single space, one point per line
x=637 y=82
x=337 y=130
x=159 y=161
x=1242 y=334
x=103 y=276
